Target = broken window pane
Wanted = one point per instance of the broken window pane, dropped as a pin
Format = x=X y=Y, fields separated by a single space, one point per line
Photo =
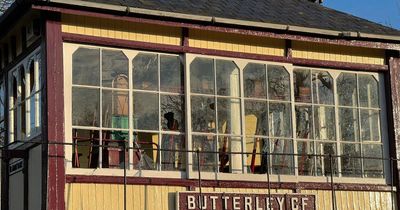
x=172 y=113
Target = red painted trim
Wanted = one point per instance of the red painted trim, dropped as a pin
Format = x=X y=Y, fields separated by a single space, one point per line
x=55 y=114
x=254 y=32
x=223 y=184
x=77 y=38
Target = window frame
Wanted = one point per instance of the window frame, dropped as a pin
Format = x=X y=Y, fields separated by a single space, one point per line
x=187 y=58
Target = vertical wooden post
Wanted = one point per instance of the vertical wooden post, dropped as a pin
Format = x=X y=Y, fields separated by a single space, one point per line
x=55 y=113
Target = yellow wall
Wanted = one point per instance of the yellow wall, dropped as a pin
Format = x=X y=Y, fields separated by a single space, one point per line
x=110 y=196
x=121 y=30
x=337 y=53
x=236 y=43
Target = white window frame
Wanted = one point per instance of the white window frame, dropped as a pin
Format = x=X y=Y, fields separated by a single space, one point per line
x=69 y=48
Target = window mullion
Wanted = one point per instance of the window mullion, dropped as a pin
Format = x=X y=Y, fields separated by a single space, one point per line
x=294 y=124
x=159 y=113
x=100 y=158
x=338 y=140
x=188 y=117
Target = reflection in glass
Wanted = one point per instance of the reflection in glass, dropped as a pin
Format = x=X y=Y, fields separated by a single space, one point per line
x=228 y=116
x=171 y=74
x=278 y=83
x=322 y=87
x=2 y=100
x=324 y=161
x=351 y=163
x=172 y=113
x=282 y=163
x=324 y=120
x=86 y=67
x=172 y=159
x=279 y=120
x=227 y=78
x=146 y=155
x=254 y=81
x=302 y=85
x=304 y=122
x=206 y=145
x=202 y=76
x=85 y=106
x=145 y=71
x=348 y=124
x=373 y=163
x=114 y=65
x=114 y=155
x=256 y=117
x=229 y=158
x=347 y=89
x=115 y=109
x=203 y=114
x=369 y=125
x=22 y=106
x=145 y=111
x=256 y=155
x=306 y=158
x=368 y=91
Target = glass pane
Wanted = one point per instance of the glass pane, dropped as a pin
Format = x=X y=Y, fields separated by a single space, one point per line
x=229 y=116
x=282 y=162
x=348 y=124
x=368 y=91
x=304 y=122
x=256 y=159
x=256 y=117
x=86 y=67
x=32 y=84
x=280 y=120
x=86 y=151
x=114 y=69
x=324 y=120
x=145 y=157
x=114 y=155
x=115 y=109
x=324 y=163
x=2 y=100
x=145 y=71
x=278 y=83
x=172 y=113
x=22 y=89
x=207 y=147
x=302 y=85
x=227 y=78
x=145 y=111
x=254 y=81
x=322 y=87
x=230 y=157
x=306 y=158
x=373 y=163
x=351 y=161
x=171 y=74
x=85 y=106
x=203 y=114
x=347 y=89
x=173 y=159
x=202 y=76
x=32 y=113
x=370 y=125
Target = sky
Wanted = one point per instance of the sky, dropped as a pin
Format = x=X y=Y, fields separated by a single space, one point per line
x=385 y=12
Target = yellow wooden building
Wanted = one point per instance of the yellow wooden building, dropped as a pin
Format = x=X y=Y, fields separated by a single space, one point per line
x=161 y=105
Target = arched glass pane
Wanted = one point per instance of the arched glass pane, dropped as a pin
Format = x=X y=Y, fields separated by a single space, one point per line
x=278 y=83
x=254 y=81
x=227 y=78
x=347 y=89
x=322 y=87
x=114 y=66
x=202 y=76
x=302 y=85
x=145 y=71
x=171 y=74
x=86 y=67
x=368 y=91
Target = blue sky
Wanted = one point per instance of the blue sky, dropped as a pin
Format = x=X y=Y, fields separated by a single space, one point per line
x=385 y=12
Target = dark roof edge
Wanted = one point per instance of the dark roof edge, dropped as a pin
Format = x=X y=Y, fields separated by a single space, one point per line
x=289 y=28
x=17 y=9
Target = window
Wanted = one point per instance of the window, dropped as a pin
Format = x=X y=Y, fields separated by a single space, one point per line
x=25 y=99
x=243 y=116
